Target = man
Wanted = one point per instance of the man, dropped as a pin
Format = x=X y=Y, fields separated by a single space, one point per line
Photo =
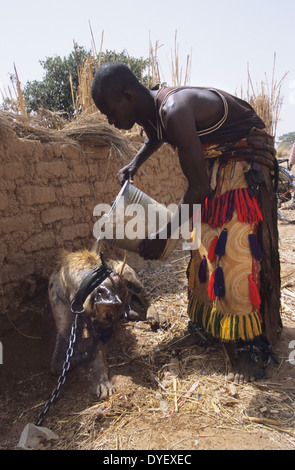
x=228 y=161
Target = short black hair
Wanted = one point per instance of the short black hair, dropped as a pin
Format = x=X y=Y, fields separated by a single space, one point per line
x=115 y=77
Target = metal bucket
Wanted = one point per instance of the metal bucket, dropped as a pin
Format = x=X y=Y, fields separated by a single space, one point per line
x=125 y=230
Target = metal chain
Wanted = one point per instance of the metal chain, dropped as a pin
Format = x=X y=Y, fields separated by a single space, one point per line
x=62 y=378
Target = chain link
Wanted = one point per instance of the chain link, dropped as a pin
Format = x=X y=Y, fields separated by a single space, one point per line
x=62 y=378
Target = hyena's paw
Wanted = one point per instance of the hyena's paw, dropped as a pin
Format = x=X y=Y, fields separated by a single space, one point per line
x=104 y=390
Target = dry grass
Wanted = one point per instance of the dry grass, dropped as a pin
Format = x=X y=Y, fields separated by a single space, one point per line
x=81 y=99
x=153 y=72
x=197 y=391
x=177 y=70
x=17 y=97
x=21 y=102
x=267 y=100
x=91 y=128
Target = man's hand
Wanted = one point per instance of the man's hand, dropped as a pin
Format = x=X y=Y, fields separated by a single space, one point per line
x=126 y=174
x=148 y=148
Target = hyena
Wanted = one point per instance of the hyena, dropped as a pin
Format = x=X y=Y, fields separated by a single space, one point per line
x=121 y=293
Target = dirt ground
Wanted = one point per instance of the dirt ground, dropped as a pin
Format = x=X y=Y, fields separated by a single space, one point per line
x=168 y=397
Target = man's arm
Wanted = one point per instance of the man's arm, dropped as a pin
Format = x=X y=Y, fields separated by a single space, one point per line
x=147 y=149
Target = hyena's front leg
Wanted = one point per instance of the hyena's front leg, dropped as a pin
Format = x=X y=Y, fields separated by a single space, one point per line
x=102 y=387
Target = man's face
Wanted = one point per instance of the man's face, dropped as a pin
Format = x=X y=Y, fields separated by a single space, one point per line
x=119 y=111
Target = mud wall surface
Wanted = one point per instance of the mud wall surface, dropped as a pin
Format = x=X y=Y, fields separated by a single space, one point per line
x=47 y=196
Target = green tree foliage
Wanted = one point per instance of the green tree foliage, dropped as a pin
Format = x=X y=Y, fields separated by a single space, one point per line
x=138 y=66
x=289 y=138
x=55 y=91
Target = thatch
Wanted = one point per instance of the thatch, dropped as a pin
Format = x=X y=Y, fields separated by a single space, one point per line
x=49 y=127
x=29 y=126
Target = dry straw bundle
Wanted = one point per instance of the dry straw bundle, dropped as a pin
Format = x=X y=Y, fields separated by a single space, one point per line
x=177 y=70
x=86 y=129
x=83 y=102
x=267 y=100
x=19 y=102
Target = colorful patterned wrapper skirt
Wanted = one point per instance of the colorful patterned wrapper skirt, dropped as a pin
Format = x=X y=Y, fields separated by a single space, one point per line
x=227 y=282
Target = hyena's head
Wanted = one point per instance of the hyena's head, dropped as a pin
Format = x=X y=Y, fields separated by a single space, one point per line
x=106 y=304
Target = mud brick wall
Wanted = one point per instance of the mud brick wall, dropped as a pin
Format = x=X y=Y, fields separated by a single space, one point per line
x=47 y=195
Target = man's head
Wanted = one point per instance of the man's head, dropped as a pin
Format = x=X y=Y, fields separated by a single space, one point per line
x=114 y=90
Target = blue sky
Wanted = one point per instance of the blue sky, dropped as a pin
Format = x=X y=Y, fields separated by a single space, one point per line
x=222 y=38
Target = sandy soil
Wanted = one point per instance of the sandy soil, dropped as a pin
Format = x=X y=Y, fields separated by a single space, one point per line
x=168 y=397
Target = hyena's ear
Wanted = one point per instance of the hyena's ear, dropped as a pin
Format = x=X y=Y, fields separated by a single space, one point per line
x=89 y=283
x=133 y=287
